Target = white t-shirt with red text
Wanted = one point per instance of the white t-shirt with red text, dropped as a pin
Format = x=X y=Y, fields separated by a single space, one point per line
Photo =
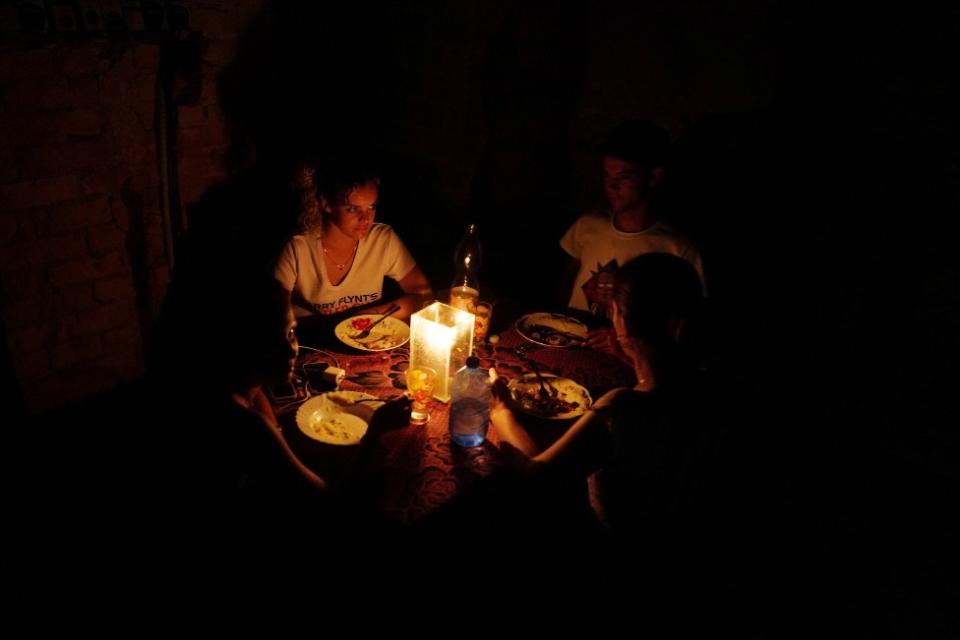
x=303 y=271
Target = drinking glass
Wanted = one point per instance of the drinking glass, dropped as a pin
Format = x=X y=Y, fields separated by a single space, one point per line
x=482 y=312
x=463 y=298
x=420 y=381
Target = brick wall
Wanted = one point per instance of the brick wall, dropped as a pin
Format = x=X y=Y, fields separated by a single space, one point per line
x=83 y=262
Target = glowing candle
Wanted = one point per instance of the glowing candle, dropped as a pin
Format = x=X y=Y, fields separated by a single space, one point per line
x=441 y=337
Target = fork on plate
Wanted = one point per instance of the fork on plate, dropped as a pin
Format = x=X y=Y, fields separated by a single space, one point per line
x=543 y=385
x=366 y=332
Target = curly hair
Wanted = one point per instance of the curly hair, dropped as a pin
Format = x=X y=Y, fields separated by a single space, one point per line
x=304 y=185
x=335 y=182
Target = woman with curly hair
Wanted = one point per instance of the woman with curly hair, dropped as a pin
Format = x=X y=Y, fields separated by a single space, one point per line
x=337 y=263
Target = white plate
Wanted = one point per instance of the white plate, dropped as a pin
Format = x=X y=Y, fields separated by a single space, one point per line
x=526 y=393
x=389 y=334
x=541 y=328
x=337 y=417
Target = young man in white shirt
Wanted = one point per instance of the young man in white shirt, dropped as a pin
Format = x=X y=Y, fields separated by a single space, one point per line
x=598 y=243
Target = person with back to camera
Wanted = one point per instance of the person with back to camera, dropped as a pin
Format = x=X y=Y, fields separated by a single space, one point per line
x=628 y=443
x=235 y=444
x=598 y=243
x=234 y=501
x=336 y=265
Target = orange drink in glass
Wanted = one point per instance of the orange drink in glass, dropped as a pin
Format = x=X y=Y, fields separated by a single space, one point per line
x=463 y=298
x=420 y=381
x=481 y=312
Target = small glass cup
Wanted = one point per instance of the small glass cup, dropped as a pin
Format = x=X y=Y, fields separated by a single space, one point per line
x=420 y=381
x=482 y=312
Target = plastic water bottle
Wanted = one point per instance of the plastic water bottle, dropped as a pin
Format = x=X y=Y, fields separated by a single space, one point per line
x=470 y=405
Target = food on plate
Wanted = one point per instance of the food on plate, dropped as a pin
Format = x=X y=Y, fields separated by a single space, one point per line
x=334 y=427
x=337 y=417
x=339 y=427
x=551 y=336
x=554 y=404
x=387 y=334
x=359 y=324
x=381 y=342
x=552 y=329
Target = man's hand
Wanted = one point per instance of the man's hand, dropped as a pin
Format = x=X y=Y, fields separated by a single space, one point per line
x=602 y=339
x=605 y=339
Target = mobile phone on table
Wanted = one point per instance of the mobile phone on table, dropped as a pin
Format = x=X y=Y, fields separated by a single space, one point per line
x=314 y=375
x=286 y=392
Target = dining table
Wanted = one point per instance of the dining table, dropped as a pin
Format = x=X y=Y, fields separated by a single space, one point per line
x=414 y=471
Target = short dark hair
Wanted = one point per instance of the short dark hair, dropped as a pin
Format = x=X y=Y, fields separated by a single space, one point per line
x=652 y=288
x=638 y=141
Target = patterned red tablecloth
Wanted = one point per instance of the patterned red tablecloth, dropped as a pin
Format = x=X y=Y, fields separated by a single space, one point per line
x=418 y=469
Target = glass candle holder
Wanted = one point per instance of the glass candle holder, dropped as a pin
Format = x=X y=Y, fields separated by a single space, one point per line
x=441 y=338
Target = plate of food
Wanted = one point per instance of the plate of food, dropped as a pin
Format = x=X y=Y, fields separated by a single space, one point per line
x=552 y=329
x=337 y=417
x=389 y=334
x=566 y=398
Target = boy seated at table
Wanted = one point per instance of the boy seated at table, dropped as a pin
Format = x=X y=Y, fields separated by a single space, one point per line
x=634 y=160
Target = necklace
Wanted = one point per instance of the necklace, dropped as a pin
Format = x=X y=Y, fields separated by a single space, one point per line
x=343 y=266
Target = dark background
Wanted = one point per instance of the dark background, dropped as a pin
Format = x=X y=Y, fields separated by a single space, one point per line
x=817 y=166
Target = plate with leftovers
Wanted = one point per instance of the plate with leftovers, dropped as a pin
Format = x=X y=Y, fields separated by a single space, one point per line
x=552 y=329
x=337 y=417
x=389 y=334
x=565 y=399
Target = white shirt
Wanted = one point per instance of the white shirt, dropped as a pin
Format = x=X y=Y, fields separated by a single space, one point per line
x=303 y=271
x=601 y=249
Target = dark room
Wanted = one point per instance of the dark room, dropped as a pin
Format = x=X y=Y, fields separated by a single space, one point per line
x=382 y=307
